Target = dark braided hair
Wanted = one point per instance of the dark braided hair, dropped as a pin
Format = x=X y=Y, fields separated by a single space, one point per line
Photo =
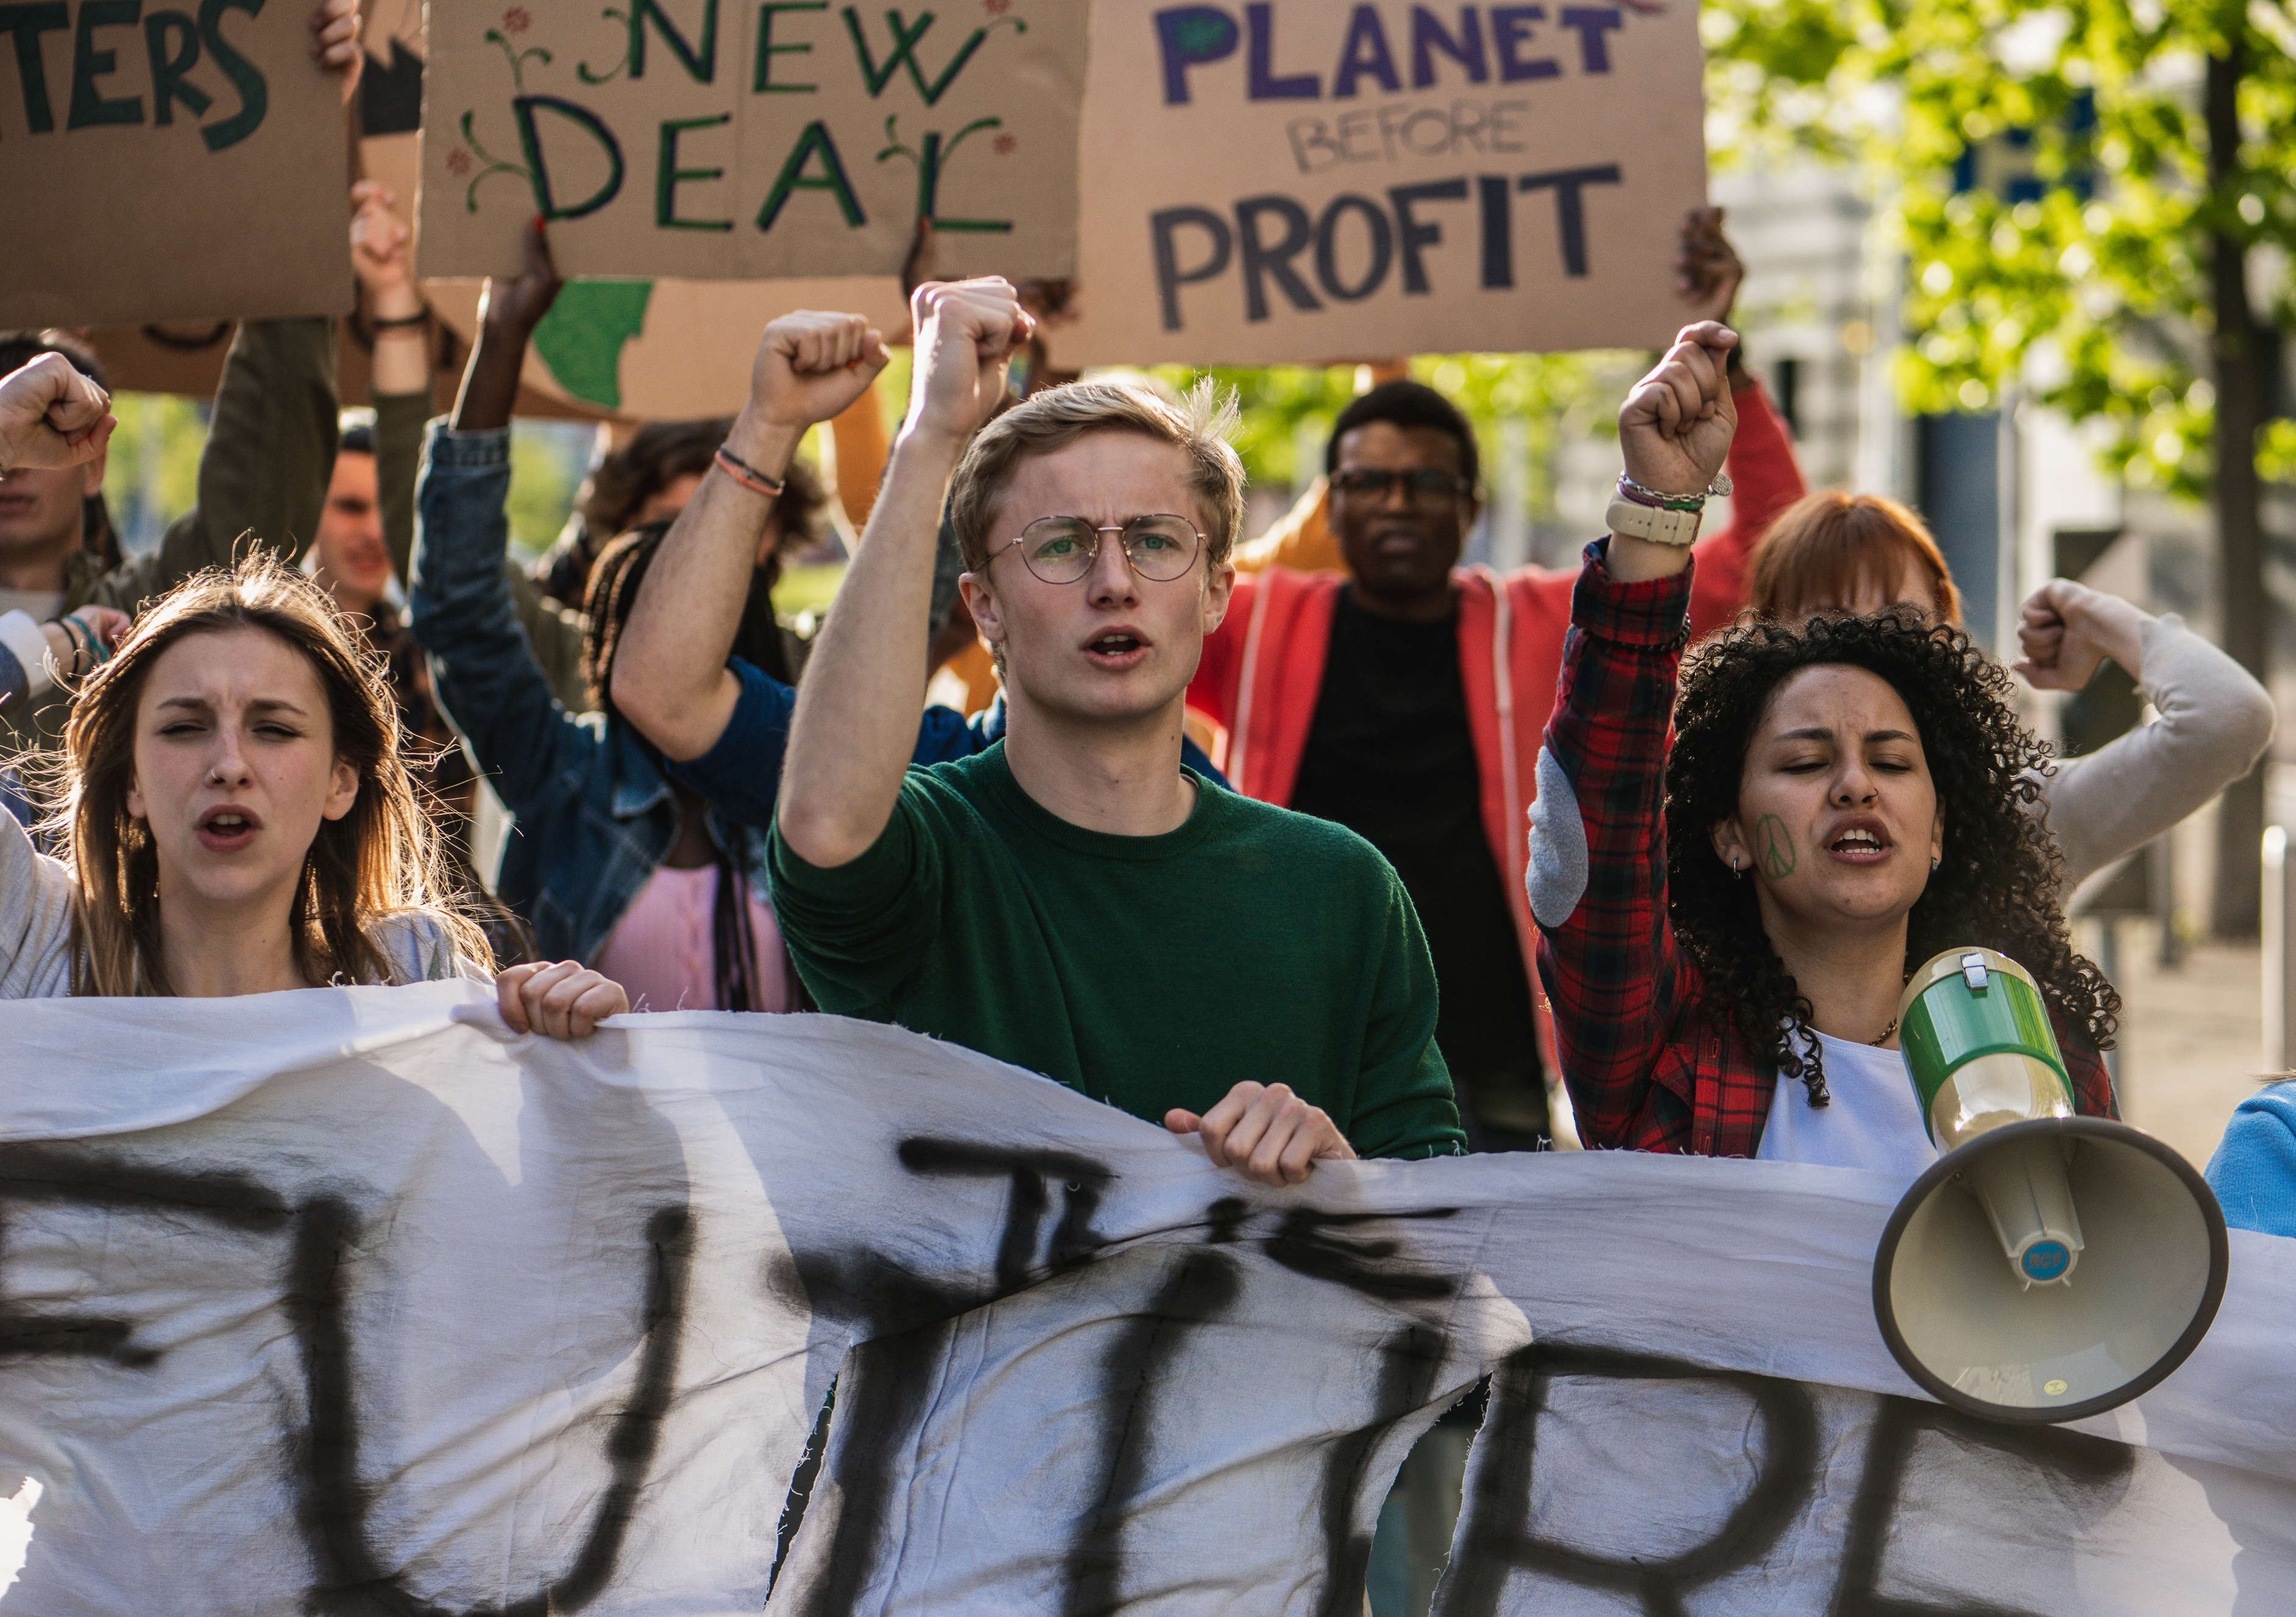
x=614 y=583
x=1999 y=884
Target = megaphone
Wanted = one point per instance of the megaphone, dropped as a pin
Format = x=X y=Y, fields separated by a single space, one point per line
x=2049 y=1266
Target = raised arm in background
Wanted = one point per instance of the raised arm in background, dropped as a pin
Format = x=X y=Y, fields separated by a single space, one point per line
x=670 y=677
x=271 y=436
x=398 y=382
x=264 y=469
x=2215 y=721
x=1618 y=980
x=52 y=417
x=459 y=598
x=855 y=728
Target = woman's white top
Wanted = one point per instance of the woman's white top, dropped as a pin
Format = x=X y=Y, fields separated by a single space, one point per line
x=35 y=928
x=1875 y=1121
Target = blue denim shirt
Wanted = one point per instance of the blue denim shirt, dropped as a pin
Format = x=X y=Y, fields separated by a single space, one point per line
x=595 y=815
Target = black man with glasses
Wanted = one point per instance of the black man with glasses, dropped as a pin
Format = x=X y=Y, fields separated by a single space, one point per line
x=1368 y=678
x=1074 y=900
x=1404 y=699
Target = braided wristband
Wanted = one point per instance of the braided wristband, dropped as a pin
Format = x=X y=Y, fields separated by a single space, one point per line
x=756 y=482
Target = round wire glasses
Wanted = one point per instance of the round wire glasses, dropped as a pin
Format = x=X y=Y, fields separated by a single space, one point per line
x=1061 y=549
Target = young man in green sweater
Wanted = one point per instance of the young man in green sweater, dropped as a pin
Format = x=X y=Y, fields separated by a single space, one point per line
x=1072 y=900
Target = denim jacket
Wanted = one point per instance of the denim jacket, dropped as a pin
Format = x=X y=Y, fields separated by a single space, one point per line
x=595 y=816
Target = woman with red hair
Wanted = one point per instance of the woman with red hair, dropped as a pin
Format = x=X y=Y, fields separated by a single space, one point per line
x=1834 y=552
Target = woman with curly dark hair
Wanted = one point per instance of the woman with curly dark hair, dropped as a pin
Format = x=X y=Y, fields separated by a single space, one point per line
x=1728 y=916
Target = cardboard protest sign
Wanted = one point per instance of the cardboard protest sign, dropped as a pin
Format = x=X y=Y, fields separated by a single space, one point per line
x=659 y=349
x=720 y=139
x=1296 y=180
x=167 y=163
x=348 y=1301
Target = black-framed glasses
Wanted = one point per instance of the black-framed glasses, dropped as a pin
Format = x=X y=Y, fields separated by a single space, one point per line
x=1421 y=488
x=1061 y=549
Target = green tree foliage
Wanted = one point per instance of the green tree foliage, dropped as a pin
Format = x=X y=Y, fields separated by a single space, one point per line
x=151 y=472
x=1555 y=394
x=2097 y=294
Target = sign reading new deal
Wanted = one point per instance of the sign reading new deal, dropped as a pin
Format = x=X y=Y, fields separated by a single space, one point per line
x=1303 y=181
x=733 y=139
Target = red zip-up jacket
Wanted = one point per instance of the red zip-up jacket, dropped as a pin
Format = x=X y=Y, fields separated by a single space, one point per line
x=1263 y=668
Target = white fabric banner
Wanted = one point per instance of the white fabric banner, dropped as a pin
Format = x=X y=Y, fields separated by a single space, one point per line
x=346 y=1302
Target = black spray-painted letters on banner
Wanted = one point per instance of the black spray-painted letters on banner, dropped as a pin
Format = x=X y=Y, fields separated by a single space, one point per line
x=406 y=1315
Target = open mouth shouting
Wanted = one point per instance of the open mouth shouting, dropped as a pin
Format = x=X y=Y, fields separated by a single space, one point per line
x=1117 y=648
x=1862 y=840
x=226 y=828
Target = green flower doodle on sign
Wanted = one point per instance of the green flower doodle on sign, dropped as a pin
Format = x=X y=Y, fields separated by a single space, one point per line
x=1777 y=846
x=582 y=337
x=459 y=163
x=931 y=163
x=517 y=21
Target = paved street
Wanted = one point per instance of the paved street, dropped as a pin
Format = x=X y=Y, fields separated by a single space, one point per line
x=2192 y=1038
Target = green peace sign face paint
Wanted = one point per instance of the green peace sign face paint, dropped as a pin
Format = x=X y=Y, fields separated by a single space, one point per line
x=1774 y=848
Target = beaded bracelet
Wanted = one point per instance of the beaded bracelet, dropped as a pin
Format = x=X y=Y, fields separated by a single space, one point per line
x=733 y=466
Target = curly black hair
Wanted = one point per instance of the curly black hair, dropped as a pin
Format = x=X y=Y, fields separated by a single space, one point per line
x=1998 y=885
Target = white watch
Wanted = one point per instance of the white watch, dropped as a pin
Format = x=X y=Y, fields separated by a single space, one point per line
x=1655 y=523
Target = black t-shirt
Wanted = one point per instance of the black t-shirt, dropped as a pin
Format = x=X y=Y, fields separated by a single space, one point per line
x=1391 y=758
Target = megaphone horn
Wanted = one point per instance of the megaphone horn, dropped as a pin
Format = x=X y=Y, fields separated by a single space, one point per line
x=2049 y=1266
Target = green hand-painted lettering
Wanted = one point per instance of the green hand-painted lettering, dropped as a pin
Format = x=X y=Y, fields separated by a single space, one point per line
x=254 y=95
x=933 y=162
x=815 y=143
x=763 y=82
x=1779 y=858
x=904 y=53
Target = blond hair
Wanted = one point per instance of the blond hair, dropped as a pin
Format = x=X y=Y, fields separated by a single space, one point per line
x=379 y=861
x=1821 y=545
x=1199 y=425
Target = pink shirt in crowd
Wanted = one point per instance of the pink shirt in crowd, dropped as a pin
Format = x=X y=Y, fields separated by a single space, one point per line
x=662 y=953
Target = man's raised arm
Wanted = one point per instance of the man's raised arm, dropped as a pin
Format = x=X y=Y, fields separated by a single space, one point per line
x=670 y=677
x=855 y=725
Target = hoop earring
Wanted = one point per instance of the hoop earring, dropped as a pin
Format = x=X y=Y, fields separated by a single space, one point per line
x=1734 y=871
x=1933 y=866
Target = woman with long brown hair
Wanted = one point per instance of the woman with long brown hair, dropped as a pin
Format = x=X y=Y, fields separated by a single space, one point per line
x=235 y=817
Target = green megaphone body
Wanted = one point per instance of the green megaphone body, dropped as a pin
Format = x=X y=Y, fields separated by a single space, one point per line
x=1975 y=1034
x=1974 y=1280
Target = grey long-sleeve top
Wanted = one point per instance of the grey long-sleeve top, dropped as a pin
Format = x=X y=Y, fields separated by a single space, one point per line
x=2215 y=721
x=36 y=929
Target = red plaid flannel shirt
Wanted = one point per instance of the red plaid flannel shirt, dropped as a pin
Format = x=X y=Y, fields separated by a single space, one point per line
x=1646 y=1071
